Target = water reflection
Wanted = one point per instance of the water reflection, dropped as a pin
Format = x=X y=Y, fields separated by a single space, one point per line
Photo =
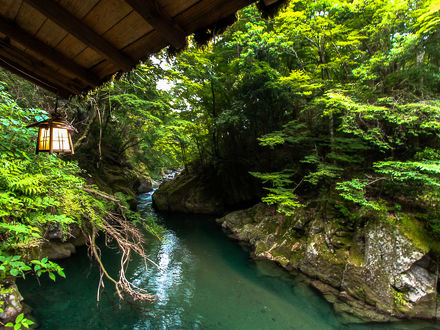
x=204 y=281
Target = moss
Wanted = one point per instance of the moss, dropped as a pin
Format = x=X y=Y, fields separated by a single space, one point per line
x=295 y=258
x=400 y=302
x=283 y=261
x=355 y=257
x=260 y=247
x=417 y=234
x=270 y=227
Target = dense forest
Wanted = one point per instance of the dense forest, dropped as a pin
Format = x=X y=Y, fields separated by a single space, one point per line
x=330 y=105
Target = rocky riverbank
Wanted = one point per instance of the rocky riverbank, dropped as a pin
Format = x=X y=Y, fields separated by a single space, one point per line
x=376 y=270
x=56 y=247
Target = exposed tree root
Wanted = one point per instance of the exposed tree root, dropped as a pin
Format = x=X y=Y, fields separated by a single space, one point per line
x=129 y=240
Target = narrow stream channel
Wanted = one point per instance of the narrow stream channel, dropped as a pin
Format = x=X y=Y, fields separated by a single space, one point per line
x=206 y=281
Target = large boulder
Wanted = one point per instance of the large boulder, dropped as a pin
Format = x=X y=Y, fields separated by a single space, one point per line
x=207 y=190
x=375 y=270
x=57 y=250
x=188 y=193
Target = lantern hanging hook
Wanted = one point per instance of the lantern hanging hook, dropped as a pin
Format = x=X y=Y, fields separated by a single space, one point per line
x=55 y=113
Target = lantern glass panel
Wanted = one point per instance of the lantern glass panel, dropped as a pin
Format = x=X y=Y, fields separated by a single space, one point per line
x=60 y=140
x=44 y=139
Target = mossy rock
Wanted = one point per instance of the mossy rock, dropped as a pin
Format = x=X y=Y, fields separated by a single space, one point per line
x=360 y=264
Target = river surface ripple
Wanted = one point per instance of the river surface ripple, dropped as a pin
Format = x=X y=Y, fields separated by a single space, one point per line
x=205 y=281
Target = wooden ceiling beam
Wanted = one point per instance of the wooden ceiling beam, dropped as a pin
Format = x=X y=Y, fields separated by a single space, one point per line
x=33 y=78
x=269 y=2
x=208 y=12
x=56 y=13
x=32 y=66
x=151 y=12
x=14 y=32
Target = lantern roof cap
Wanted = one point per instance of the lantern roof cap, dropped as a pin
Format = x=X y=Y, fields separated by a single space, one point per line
x=55 y=120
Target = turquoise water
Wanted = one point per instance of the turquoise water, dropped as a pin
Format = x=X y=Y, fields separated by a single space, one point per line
x=205 y=281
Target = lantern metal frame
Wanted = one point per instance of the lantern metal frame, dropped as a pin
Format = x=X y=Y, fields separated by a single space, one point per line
x=58 y=122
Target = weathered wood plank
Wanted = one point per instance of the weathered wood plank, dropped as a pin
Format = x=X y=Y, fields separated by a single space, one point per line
x=13 y=31
x=81 y=8
x=71 y=47
x=208 y=12
x=160 y=21
x=105 y=15
x=147 y=45
x=105 y=69
x=128 y=30
x=88 y=58
x=173 y=7
x=29 y=19
x=52 y=34
x=74 y=26
x=9 y=8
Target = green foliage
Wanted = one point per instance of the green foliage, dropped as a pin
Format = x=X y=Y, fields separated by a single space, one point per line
x=334 y=103
x=20 y=322
x=13 y=266
x=40 y=192
x=279 y=195
x=354 y=191
x=46 y=266
x=36 y=192
x=138 y=124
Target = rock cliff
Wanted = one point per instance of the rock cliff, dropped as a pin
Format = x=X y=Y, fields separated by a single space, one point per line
x=189 y=193
x=376 y=269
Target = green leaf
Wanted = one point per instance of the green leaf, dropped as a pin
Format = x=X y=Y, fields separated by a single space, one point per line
x=61 y=273
x=19 y=318
x=14 y=272
x=52 y=276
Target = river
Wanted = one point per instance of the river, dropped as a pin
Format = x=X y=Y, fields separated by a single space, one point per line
x=205 y=281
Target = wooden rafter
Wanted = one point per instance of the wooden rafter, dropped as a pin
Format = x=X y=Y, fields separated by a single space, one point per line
x=17 y=57
x=82 y=32
x=34 y=78
x=269 y=2
x=71 y=46
x=14 y=32
x=204 y=15
x=161 y=22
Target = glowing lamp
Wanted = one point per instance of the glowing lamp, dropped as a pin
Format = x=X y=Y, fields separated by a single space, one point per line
x=54 y=135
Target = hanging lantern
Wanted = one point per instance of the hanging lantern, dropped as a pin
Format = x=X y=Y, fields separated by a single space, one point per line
x=54 y=135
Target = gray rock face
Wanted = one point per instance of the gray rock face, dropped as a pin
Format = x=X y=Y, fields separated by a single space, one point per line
x=11 y=303
x=144 y=186
x=375 y=271
x=57 y=250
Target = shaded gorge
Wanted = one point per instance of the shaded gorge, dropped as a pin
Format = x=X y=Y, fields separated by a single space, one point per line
x=205 y=281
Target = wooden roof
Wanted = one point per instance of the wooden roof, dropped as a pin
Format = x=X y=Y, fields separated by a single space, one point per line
x=71 y=46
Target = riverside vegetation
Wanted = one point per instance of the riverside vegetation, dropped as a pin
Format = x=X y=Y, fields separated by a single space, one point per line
x=334 y=107
x=327 y=112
